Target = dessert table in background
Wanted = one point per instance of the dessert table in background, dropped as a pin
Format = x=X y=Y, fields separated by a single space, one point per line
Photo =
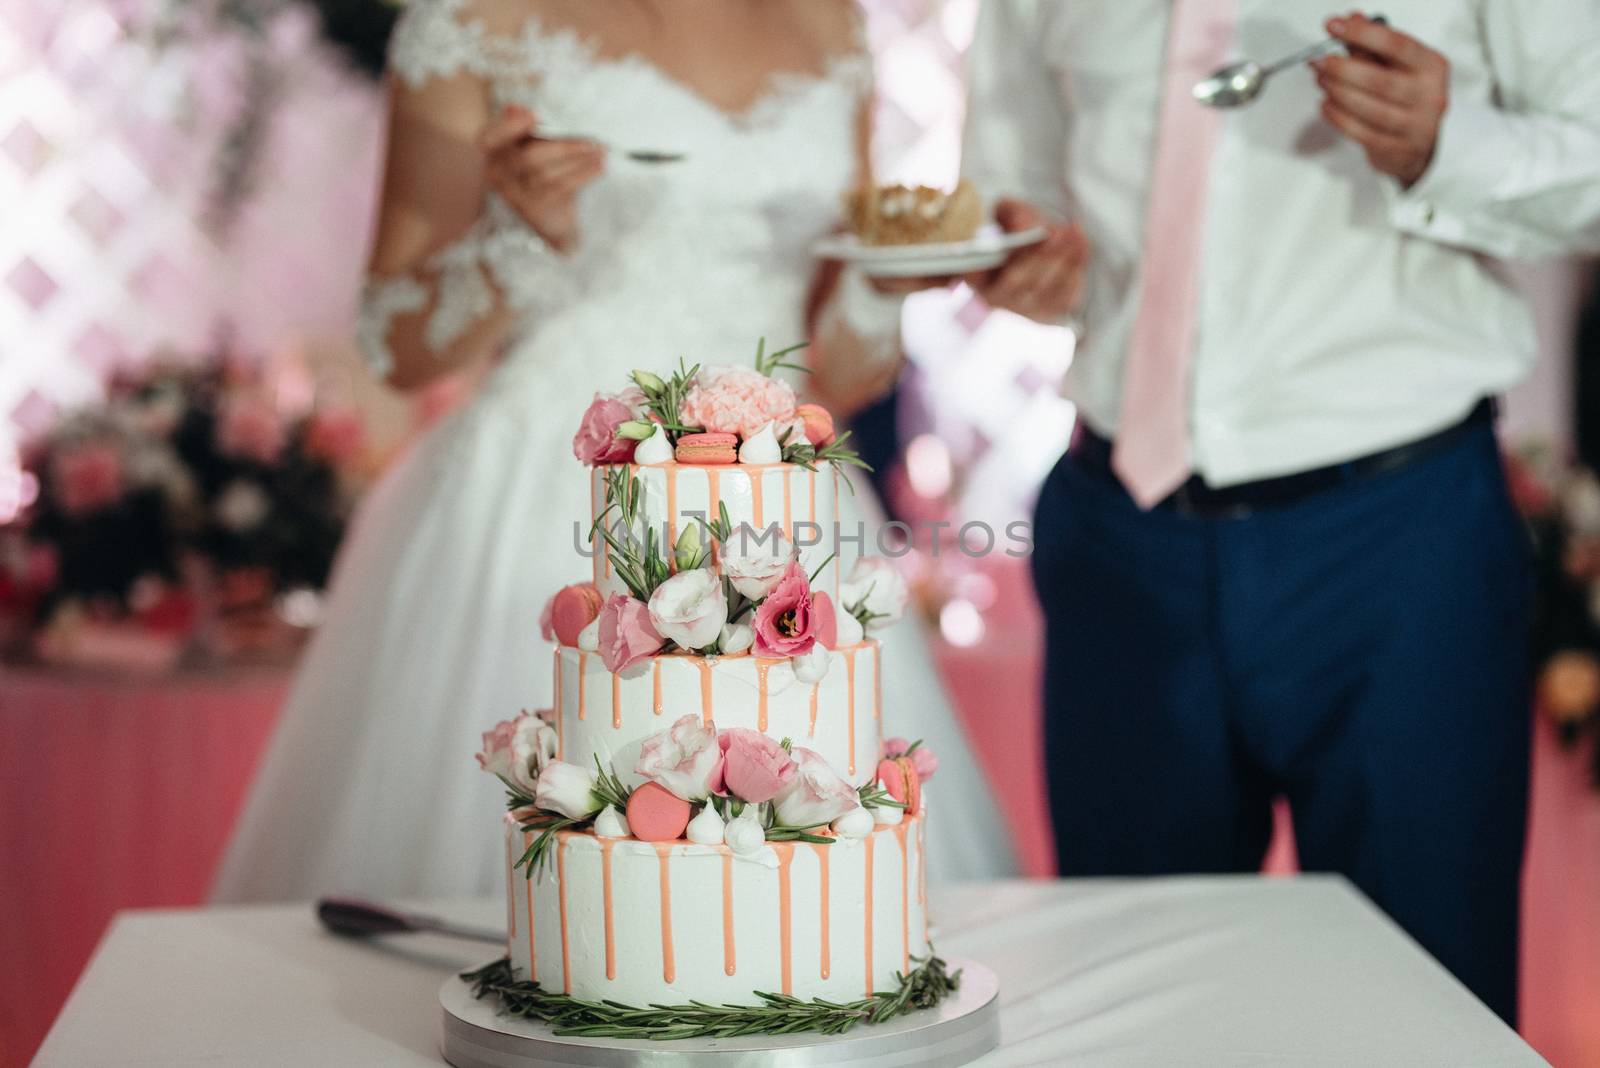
x=1201 y=970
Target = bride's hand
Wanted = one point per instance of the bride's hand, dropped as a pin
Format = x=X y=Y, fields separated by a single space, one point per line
x=539 y=179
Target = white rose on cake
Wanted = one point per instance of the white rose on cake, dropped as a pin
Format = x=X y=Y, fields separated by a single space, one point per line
x=816 y=796
x=567 y=789
x=754 y=561
x=685 y=758
x=689 y=608
x=875 y=593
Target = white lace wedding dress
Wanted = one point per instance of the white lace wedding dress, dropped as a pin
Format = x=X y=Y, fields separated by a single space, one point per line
x=431 y=633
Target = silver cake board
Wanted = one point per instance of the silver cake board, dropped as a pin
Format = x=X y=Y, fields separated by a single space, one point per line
x=964 y=1027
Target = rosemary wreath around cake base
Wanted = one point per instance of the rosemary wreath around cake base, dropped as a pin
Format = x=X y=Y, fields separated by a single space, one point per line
x=778 y=1014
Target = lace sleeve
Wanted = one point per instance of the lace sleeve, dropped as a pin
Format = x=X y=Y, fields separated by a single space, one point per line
x=499 y=260
x=436 y=39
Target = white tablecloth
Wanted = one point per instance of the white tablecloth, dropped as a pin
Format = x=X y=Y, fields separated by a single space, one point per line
x=1192 y=971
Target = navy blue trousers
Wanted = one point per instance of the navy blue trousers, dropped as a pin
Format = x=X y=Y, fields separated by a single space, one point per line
x=1362 y=651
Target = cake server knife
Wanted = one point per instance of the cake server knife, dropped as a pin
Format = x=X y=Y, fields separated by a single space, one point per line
x=354 y=918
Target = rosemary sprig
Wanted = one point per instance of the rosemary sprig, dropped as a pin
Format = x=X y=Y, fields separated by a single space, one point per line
x=874 y=795
x=665 y=398
x=638 y=563
x=766 y=362
x=608 y=788
x=804 y=454
x=798 y=834
x=929 y=983
x=538 y=851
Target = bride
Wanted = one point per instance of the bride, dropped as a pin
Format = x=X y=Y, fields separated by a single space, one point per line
x=575 y=262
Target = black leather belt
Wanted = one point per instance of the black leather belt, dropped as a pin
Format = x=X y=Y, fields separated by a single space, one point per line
x=1091 y=452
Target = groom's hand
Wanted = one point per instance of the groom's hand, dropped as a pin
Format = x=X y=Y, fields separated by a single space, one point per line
x=1388 y=95
x=1042 y=282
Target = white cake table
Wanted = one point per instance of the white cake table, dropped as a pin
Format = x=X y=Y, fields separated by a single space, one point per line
x=1212 y=971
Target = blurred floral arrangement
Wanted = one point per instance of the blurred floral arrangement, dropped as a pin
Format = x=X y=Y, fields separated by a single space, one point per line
x=1560 y=503
x=188 y=518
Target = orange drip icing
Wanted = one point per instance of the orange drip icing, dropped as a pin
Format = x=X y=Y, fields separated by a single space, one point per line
x=583 y=678
x=905 y=900
x=850 y=684
x=714 y=493
x=533 y=956
x=705 y=689
x=655 y=703
x=757 y=479
x=788 y=509
x=811 y=731
x=669 y=970
x=561 y=895
x=822 y=867
x=616 y=702
x=727 y=912
x=561 y=711
x=785 y=851
x=671 y=473
x=866 y=844
x=511 y=886
x=762 y=667
x=606 y=846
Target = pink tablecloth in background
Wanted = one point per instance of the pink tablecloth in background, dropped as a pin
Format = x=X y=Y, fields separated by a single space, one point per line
x=114 y=794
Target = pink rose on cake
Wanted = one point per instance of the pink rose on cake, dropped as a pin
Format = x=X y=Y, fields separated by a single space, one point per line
x=626 y=633
x=754 y=767
x=685 y=758
x=922 y=758
x=817 y=795
x=689 y=608
x=597 y=440
x=786 y=621
x=737 y=400
x=754 y=561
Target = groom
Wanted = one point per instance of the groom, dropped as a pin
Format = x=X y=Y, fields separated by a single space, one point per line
x=1279 y=557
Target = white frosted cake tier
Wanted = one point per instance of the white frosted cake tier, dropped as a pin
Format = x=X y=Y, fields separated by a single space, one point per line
x=598 y=713
x=641 y=923
x=804 y=504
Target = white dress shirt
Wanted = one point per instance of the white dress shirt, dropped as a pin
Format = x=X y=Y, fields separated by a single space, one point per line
x=1338 y=314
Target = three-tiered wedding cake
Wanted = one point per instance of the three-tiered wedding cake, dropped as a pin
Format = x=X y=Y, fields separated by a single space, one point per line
x=708 y=812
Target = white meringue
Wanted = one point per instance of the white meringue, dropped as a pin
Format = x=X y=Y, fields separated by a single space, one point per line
x=761 y=448
x=589 y=636
x=888 y=815
x=610 y=824
x=655 y=449
x=857 y=823
x=706 y=828
x=812 y=665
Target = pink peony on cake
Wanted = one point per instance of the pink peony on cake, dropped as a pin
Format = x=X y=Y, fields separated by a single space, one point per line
x=708 y=813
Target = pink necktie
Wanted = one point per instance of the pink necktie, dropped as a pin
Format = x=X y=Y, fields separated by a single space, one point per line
x=1151 y=455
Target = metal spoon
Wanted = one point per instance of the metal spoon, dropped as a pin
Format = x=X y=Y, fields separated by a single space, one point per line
x=637 y=155
x=1238 y=84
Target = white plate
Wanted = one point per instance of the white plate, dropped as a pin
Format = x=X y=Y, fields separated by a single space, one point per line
x=986 y=249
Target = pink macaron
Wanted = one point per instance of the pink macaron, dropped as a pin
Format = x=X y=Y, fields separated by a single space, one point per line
x=715 y=448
